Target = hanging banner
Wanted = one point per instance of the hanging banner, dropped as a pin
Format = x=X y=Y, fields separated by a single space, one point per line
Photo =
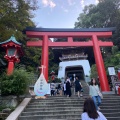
x=111 y=70
x=48 y=93
x=41 y=86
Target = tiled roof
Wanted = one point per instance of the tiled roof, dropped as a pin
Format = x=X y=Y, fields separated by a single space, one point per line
x=13 y=39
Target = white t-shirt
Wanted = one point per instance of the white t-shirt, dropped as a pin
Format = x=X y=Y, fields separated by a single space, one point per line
x=64 y=86
x=85 y=116
x=93 y=90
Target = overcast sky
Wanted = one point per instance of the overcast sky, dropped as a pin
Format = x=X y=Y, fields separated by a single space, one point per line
x=59 y=13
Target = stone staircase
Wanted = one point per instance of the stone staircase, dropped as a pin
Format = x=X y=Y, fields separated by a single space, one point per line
x=63 y=108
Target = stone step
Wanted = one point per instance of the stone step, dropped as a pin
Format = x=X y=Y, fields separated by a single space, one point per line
x=52 y=108
x=111 y=102
x=75 y=111
x=72 y=101
x=68 y=108
x=75 y=107
x=64 y=116
x=45 y=103
x=75 y=98
x=107 y=109
x=110 y=110
x=52 y=112
x=113 y=118
x=35 y=106
x=112 y=114
x=43 y=117
x=73 y=104
x=57 y=101
x=65 y=102
x=60 y=100
x=108 y=118
x=81 y=99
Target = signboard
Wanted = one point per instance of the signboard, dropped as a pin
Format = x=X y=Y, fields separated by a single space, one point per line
x=41 y=86
x=48 y=89
x=111 y=71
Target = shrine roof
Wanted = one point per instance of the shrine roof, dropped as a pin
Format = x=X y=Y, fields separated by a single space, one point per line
x=69 y=29
x=13 y=39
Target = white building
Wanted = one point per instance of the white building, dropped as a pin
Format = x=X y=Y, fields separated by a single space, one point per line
x=72 y=66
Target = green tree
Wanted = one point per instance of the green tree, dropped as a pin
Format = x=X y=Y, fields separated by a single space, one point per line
x=114 y=59
x=105 y=14
x=93 y=72
x=15 y=16
x=15 y=84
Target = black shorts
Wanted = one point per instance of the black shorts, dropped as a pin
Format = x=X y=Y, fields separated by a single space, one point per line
x=78 y=88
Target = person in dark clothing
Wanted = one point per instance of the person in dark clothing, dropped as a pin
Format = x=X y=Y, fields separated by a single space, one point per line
x=68 y=88
x=60 y=89
x=78 y=87
x=52 y=87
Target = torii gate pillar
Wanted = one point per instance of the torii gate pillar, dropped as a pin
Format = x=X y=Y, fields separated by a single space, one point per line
x=45 y=56
x=100 y=65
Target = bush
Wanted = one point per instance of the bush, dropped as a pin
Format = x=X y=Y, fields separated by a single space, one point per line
x=14 y=84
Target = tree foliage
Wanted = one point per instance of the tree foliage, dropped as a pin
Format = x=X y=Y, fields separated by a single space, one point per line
x=14 y=84
x=105 y=14
x=15 y=16
x=114 y=60
x=93 y=72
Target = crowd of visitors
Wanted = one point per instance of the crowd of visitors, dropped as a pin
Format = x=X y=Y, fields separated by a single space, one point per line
x=65 y=88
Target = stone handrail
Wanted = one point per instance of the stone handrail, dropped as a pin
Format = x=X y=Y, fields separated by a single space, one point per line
x=16 y=113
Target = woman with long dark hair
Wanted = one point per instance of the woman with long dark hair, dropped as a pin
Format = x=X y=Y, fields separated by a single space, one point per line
x=93 y=92
x=90 y=112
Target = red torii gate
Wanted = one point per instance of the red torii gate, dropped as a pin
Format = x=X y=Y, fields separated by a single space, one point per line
x=92 y=33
